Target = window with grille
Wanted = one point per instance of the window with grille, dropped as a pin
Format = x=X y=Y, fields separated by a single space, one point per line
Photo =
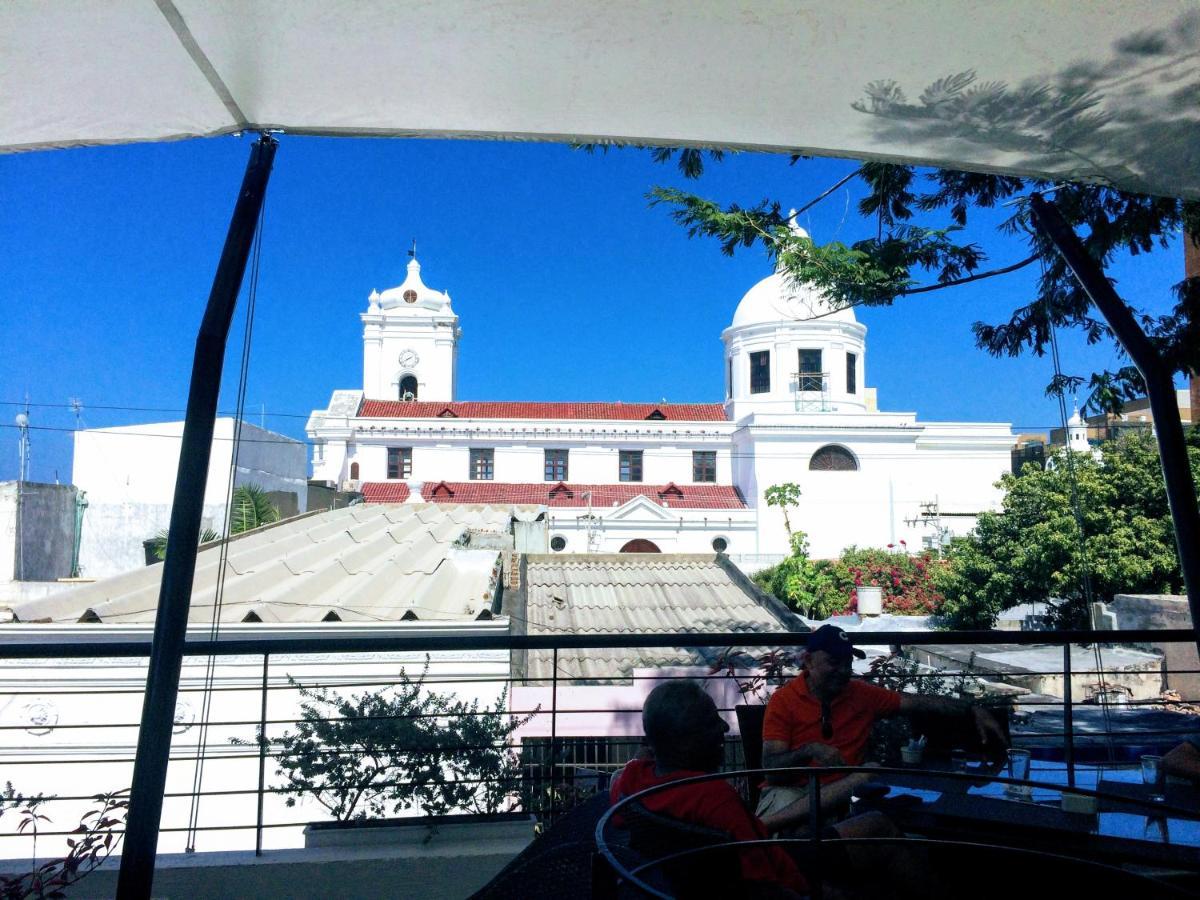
x=482 y=464
x=631 y=465
x=833 y=459
x=810 y=370
x=851 y=373
x=704 y=465
x=556 y=465
x=399 y=462
x=760 y=372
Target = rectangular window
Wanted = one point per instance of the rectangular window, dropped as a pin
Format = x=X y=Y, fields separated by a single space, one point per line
x=556 y=465
x=760 y=372
x=482 y=464
x=851 y=373
x=704 y=465
x=631 y=465
x=399 y=462
x=810 y=370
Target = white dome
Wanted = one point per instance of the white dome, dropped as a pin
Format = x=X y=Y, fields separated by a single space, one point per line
x=413 y=295
x=776 y=299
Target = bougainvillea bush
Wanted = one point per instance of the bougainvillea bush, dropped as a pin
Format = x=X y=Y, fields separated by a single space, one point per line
x=826 y=587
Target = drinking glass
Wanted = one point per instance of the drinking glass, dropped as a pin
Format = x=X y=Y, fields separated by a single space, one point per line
x=1018 y=764
x=1018 y=768
x=1153 y=777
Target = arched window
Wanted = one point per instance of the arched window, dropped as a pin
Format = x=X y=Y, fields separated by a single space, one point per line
x=833 y=459
x=408 y=387
x=354 y=471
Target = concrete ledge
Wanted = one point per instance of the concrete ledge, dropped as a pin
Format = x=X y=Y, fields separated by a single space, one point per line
x=440 y=870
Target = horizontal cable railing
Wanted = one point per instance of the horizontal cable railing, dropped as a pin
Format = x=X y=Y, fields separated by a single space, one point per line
x=551 y=759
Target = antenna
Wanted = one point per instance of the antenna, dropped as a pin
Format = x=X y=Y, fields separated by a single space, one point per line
x=76 y=407
x=22 y=422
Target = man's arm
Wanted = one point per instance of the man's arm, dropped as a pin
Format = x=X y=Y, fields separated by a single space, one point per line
x=776 y=755
x=1184 y=761
x=985 y=723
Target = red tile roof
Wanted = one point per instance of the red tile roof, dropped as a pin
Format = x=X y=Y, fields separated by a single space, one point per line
x=384 y=492
x=687 y=496
x=471 y=409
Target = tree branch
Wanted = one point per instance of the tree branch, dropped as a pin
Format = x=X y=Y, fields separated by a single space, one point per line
x=976 y=277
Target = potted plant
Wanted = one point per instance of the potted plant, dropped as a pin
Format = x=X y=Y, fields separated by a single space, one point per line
x=400 y=749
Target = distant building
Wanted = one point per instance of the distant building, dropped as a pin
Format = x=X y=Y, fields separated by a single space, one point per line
x=669 y=477
x=1030 y=448
x=128 y=474
x=1135 y=415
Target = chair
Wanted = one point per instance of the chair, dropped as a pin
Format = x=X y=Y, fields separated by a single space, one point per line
x=750 y=719
x=653 y=836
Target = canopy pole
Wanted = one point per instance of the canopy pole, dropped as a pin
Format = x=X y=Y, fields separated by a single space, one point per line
x=1160 y=386
x=174 y=598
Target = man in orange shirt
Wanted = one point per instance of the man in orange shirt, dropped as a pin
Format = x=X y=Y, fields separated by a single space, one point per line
x=686 y=735
x=823 y=717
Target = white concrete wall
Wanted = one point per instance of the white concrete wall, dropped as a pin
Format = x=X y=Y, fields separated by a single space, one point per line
x=8 y=530
x=43 y=755
x=433 y=338
x=523 y=461
x=129 y=476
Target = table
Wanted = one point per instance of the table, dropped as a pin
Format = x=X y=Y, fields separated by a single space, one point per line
x=1121 y=832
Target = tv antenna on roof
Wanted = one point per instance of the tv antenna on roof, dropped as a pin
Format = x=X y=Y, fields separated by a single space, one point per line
x=22 y=423
x=76 y=407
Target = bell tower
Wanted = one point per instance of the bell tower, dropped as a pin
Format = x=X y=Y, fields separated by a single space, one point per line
x=410 y=342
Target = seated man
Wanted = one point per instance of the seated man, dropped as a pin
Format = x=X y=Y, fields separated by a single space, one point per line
x=686 y=736
x=823 y=717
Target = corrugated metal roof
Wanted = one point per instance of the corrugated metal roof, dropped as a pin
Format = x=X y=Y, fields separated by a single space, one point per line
x=510 y=409
x=640 y=593
x=361 y=564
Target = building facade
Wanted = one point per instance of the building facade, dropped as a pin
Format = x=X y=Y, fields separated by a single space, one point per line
x=679 y=478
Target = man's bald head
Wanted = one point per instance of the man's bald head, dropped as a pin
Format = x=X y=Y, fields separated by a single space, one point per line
x=682 y=725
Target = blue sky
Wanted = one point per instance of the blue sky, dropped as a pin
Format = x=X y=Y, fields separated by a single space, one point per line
x=567 y=285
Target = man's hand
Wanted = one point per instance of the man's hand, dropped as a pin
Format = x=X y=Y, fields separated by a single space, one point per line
x=823 y=754
x=987 y=726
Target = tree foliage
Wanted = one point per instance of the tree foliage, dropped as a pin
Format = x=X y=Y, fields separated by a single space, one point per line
x=160 y=540
x=783 y=496
x=90 y=843
x=400 y=748
x=920 y=216
x=1032 y=551
x=250 y=508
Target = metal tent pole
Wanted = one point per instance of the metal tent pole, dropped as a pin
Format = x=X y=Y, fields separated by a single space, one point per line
x=174 y=597
x=1160 y=386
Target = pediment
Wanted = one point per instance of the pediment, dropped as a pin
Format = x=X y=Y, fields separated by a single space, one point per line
x=640 y=507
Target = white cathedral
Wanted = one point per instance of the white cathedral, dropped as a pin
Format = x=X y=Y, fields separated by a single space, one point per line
x=664 y=477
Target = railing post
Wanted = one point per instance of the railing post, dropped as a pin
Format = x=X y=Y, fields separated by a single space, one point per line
x=553 y=735
x=262 y=757
x=1069 y=717
x=814 y=827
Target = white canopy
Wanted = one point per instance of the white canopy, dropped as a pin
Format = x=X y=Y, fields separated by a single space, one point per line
x=1104 y=90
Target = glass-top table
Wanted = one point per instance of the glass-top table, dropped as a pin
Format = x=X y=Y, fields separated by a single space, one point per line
x=1125 y=823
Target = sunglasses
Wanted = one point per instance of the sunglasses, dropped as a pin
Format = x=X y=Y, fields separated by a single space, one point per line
x=826 y=721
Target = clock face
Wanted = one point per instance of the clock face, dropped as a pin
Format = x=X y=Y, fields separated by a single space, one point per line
x=409 y=358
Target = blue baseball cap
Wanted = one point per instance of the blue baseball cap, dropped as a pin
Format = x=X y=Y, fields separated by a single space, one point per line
x=833 y=641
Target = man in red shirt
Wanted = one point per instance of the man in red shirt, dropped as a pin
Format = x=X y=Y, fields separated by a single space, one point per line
x=823 y=717
x=686 y=735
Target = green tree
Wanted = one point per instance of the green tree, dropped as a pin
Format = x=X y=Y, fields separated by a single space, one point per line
x=250 y=508
x=1032 y=550
x=160 y=540
x=920 y=216
x=403 y=747
x=784 y=496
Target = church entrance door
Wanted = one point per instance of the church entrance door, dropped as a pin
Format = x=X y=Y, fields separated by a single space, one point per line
x=640 y=545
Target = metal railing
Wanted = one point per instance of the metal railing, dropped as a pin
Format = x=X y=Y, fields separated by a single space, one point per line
x=554 y=756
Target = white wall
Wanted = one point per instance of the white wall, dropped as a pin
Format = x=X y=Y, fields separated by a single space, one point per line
x=129 y=476
x=84 y=761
